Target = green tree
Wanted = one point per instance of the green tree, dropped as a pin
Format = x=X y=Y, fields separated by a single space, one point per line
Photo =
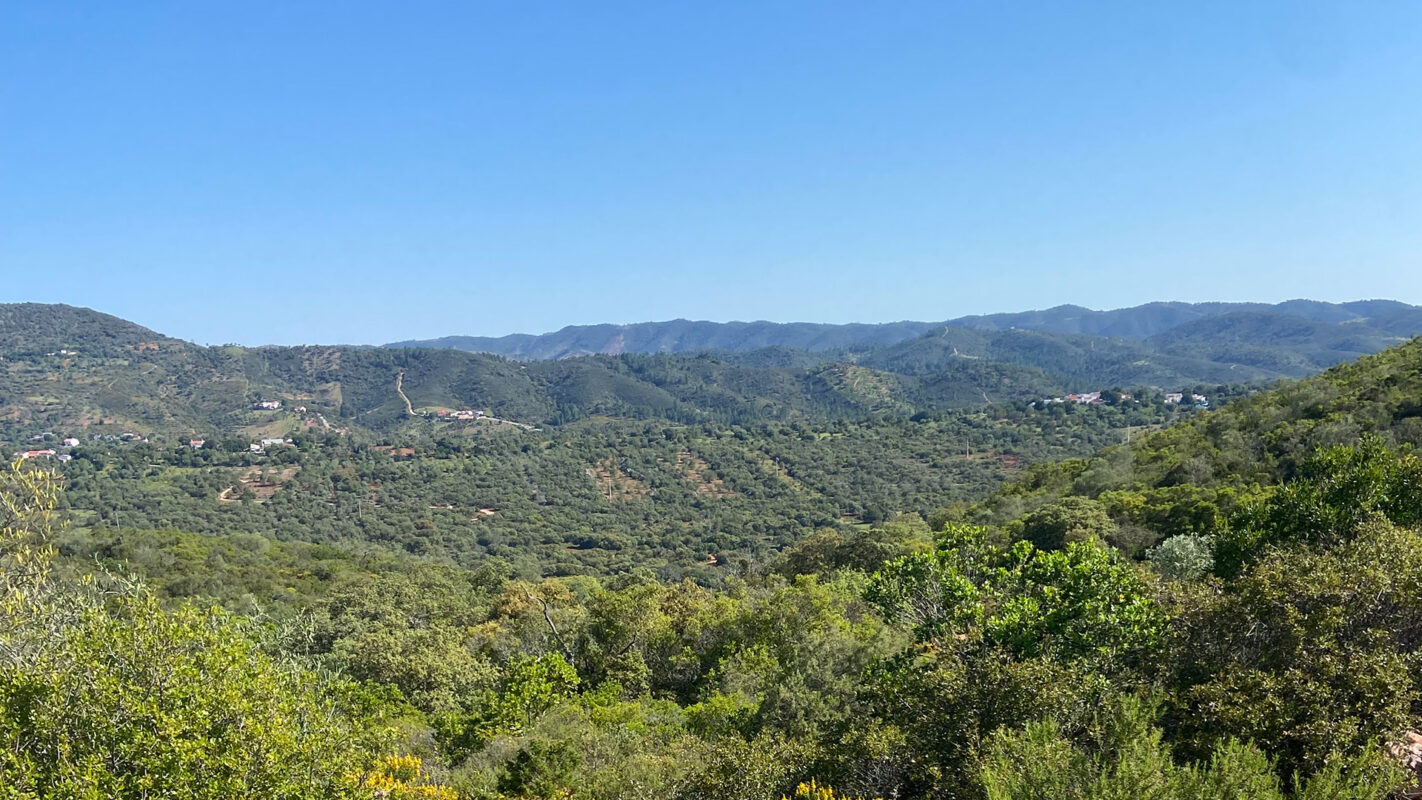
x=541 y=771
x=1073 y=519
x=1005 y=636
x=1081 y=602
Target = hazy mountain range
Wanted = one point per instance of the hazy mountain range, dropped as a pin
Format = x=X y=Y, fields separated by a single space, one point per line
x=73 y=368
x=1376 y=320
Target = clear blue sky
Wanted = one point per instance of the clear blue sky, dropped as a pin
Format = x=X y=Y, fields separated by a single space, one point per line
x=349 y=171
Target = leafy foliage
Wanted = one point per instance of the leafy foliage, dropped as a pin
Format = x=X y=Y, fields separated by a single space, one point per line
x=103 y=693
x=1183 y=558
x=1130 y=759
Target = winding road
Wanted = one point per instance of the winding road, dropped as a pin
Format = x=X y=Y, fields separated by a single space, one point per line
x=400 y=390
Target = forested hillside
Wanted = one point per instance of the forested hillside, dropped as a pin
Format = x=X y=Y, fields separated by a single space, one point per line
x=1189 y=477
x=687 y=465
x=71 y=371
x=598 y=497
x=276 y=543
x=1226 y=608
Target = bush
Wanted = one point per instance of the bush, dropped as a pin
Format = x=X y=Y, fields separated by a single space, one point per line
x=1183 y=558
x=1073 y=519
x=1130 y=759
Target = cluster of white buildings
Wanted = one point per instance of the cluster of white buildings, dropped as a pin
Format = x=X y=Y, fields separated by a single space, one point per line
x=464 y=414
x=1086 y=399
x=1094 y=398
x=1177 y=398
x=261 y=447
x=69 y=442
x=72 y=442
x=122 y=437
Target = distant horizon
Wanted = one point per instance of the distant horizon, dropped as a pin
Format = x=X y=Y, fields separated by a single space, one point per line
x=398 y=340
x=167 y=323
x=905 y=319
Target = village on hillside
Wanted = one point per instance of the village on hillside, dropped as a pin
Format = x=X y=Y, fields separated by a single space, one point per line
x=1110 y=396
x=60 y=447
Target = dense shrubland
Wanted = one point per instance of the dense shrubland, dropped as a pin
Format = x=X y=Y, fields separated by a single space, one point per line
x=105 y=692
x=891 y=661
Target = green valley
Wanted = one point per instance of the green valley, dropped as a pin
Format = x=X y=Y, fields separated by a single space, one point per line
x=706 y=576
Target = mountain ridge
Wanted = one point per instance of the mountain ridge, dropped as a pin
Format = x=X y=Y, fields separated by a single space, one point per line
x=71 y=368
x=682 y=335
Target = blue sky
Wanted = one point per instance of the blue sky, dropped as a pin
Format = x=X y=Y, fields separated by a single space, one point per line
x=288 y=172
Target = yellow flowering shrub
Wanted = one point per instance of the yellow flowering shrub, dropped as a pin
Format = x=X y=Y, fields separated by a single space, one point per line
x=814 y=791
x=397 y=777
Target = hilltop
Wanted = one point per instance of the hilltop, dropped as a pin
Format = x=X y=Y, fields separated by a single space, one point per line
x=33 y=329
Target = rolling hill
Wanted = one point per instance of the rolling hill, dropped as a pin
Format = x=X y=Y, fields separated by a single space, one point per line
x=76 y=370
x=72 y=370
x=1184 y=478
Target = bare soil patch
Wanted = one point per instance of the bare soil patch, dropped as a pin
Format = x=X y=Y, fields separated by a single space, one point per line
x=698 y=472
